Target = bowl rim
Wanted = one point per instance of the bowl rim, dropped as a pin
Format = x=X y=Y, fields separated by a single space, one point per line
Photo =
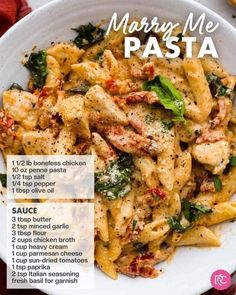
x=53 y=3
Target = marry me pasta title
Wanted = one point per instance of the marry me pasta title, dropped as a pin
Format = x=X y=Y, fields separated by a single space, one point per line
x=165 y=29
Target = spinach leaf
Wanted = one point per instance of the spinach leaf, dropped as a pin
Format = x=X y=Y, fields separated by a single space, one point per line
x=192 y=212
x=99 y=56
x=140 y=247
x=174 y=223
x=167 y=124
x=37 y=65
x=80 y=89
x=149 y=118
x=216 y=87
x=88 y=35
x=134 y=223
x=3 y=179
x=15 y=86
x=169 y=96
x=232 y=161
x=114 y=182
x=217 y=183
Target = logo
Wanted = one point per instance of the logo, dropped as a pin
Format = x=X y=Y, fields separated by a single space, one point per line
x=220 y=279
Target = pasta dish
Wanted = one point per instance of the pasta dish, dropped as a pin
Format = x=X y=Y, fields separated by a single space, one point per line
x=162 y=131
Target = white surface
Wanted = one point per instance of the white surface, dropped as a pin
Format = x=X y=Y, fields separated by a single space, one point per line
x=189 y=271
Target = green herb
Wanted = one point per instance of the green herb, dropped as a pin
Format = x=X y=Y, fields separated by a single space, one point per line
x=37 y=65
x=149 y=118
x=140 y=247
x=99 y=56
x=114 y=182
x=134 y=223
x=192 y=212
x=174 y=223
x=217 y=183
x=180 y=36
x=80 y=89
x=169 y=96
x=15 y=86
x=155 y=196
x=167 y=125
x=216 y=87
x=88 y=35
x=232 y=161
x=3 y=179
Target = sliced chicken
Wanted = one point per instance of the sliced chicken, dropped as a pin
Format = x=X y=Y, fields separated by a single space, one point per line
x=100 y=105
x=102 y=148
x=149 y=123
x=214 y=155
x=23 y=106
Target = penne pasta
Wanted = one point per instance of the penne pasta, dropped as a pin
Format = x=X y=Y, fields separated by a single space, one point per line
x=161 y=131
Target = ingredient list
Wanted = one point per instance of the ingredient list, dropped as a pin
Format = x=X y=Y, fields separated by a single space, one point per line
x=50 y=245
x=35 y=177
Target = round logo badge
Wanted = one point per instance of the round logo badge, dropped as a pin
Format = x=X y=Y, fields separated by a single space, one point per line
x=220 y=279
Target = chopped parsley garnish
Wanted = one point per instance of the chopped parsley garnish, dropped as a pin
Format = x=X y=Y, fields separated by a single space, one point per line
x=37 y=65
x=3 y=179
x=155 y=196
x=216 y=86
x=80 y=89
x=15 y=86
x=232 y=161
x=115 y=181
x=167 y=124
x=88 y=35
x=217 y=183
x=134 y=223
x=174 y=223
x=140 y=247
x=99 y=56
x=149 y=118
x=169 y=96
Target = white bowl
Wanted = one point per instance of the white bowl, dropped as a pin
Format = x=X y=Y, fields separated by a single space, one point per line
x=189 y=271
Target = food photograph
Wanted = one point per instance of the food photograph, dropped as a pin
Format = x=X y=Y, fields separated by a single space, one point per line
x=118 y=147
